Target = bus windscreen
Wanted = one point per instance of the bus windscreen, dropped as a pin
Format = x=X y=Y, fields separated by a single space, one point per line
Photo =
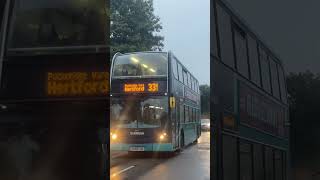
x=48 y=23
x=139 y=112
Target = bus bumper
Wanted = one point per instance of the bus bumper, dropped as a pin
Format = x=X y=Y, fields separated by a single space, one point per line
x=151 y=147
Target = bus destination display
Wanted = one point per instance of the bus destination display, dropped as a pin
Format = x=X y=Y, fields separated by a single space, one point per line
x=77 y=83
x=140 y=87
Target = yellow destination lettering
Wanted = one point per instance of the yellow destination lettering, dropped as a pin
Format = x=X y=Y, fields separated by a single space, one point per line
x=104 y=87
x=100 y=75
x=77 y=83
x=134 y=88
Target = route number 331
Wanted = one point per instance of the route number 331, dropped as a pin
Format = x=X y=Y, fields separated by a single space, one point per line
x=153 y=87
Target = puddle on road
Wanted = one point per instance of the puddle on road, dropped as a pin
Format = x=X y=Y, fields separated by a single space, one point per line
x=115 y=175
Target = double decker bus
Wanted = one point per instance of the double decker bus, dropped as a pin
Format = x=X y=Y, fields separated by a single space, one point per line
x=54 y=74
x=154 y=103
x=250 y=107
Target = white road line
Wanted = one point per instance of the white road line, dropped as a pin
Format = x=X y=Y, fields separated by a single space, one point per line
x=123 y=170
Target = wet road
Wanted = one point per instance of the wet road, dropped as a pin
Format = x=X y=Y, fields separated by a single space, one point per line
x=190 y=164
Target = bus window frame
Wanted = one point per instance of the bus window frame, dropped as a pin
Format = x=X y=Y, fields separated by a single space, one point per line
x=180 y=72
x=189 y=79
x=174 y=64
x=185 y=77
x=3 y=33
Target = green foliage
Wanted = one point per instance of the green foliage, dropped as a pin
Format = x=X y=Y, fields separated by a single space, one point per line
x=134 y=26
x=304 y=101
x=205 y=99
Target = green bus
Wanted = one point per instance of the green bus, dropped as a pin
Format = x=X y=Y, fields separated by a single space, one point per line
x=154 y=103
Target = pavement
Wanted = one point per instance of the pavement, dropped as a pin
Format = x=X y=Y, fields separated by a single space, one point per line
x=190 y=164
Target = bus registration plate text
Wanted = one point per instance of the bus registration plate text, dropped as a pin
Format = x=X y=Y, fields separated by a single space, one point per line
x=136 y=149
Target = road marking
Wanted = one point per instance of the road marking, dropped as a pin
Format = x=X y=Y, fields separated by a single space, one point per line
x=123 y=170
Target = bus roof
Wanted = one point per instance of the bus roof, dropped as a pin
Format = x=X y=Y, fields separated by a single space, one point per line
x=140 y=52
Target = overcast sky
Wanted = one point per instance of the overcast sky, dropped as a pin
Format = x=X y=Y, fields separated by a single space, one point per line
x=186 y=31
x=290 y=27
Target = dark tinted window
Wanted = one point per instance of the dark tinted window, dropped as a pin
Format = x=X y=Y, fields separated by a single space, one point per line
x=189 y=80
x=186 y=114
x=265 y=72
x=185 y=78
x=224 y=85
x=230 y=158
x=274 y=79
x=241 y=51
x=2 y=5
x=181 y=113
x=282 y=84
x=48 y=23
x=174 y=67
x=192 y=82
x=197 y=87
x=245 y=161
x=196 y=116
x=258 y=161
x=278 y=166
x=284 y=164
x=253 y=60
x=213 y=35
x=269 y=163
x=193 y=114
x=180 y=72
x=225 y=35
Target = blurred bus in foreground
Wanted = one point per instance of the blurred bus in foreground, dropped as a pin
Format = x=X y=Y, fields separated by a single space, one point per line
x=54 y=90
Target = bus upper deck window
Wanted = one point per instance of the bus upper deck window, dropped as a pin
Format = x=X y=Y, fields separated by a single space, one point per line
x=141 y=64
x=49 y=23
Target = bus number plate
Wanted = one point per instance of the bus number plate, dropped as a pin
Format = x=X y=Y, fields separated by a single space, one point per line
x=136 y=149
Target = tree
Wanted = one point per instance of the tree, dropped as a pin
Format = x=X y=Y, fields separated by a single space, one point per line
x=205 y=99
x=134 y=26
x=304 y=96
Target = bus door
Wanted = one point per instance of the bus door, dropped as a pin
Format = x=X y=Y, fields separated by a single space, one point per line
x=177 y=124
x=174 y=123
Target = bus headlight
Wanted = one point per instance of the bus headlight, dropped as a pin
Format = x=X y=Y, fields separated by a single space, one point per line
x=113 y=136
x=162 y=136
